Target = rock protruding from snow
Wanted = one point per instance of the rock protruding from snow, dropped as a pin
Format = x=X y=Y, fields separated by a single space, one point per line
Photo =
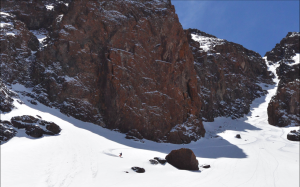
x=35 y=14
x=294 y=135
x=6 y=131
x=183 y=159
x=6 y=98
x=238 y=136
x=35 y=127
x=284 y=107
x=205 y=166
x=160 y=160
x=286 y=49
x=228 y=75
x=154 y=162
x=138 y=169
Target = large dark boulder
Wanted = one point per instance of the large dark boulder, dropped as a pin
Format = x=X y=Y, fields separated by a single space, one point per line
x=183 y=159
x=52 y=127
x=34 y=131
x=294 y=135
x=21 y=122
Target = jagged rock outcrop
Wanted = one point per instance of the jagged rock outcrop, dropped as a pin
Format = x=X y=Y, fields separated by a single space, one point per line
x=153 y=162
x=228 y=75
x=35 y=14
x=16 y=43
x=285 y=50
x=284 y=107
x=34 y=127
x=6 y=98
x=120 y=64
x=183 y=159
x=6 y=131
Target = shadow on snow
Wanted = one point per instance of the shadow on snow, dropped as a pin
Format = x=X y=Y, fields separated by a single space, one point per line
x=205 y=147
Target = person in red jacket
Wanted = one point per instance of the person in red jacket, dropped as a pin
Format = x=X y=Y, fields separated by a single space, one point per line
x=120 y=155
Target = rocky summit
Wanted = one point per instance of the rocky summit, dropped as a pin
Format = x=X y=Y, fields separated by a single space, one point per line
x=284 y=107
x=228 y=75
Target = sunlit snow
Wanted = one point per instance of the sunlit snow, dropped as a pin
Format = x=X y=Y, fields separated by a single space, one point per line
x=85 y=154
x=207 y=43
x=296 y=58
x=49 y=7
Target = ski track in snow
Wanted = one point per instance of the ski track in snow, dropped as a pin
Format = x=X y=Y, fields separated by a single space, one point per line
x=85 y=154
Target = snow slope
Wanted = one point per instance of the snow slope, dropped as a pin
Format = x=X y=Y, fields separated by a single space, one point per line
x=84 y=154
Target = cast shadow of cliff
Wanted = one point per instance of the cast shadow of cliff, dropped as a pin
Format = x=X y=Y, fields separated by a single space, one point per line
x=211 y=146
x=205 y=147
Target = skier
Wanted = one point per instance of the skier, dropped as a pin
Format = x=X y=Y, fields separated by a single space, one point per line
x=120 y=155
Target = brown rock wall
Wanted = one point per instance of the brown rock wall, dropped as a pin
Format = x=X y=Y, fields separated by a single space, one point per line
x=227 y=75
x=119 y=64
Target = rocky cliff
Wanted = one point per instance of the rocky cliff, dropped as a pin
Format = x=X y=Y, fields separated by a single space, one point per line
x=123 y=65
x=126 y=65
x=228 y=75
x=284 y=107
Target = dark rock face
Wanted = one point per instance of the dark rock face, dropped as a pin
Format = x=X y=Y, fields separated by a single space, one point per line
x=284 y=107
x=119 y=64
x=294 y=135
x=138 y=169
x=227 y=75
x=35 y=14
x=6 y=131
x=16 y=43
x=286 y=49
x=238 y=136
x=6 y=100
x=183 y=159
x=191 y=130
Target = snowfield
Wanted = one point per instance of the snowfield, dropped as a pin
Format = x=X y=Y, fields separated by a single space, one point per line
x=85 y=154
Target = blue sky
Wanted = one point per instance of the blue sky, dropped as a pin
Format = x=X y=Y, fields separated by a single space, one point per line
x=257 y=25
